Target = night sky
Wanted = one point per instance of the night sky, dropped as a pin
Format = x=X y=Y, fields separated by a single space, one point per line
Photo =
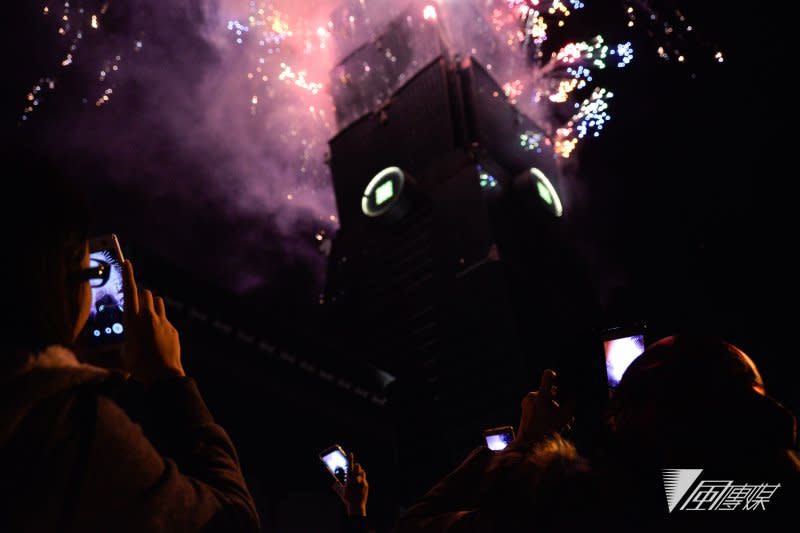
x=677 y=206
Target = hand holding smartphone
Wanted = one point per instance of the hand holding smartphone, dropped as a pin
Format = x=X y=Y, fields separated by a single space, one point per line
x=351 y=479
x=104 y=328
x=335 y=461
x=498 y=439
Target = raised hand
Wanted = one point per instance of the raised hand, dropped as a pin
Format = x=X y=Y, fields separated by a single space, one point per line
x=542 y=415
x=355 y=491
x=152 y=349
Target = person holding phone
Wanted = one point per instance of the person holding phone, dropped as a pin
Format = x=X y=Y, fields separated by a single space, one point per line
x=354 y=493
x=686 y=401
x=350 y=484
x=84 y=448
x=480 y=495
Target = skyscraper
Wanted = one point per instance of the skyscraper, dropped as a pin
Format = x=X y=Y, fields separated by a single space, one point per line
x=449 y=271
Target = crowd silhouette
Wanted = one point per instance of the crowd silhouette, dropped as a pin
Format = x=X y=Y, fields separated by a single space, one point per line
x=134 y=448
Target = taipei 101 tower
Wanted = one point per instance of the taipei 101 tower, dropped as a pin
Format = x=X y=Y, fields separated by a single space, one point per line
x=449 y=273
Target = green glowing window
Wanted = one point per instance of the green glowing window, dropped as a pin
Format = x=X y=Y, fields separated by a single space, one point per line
x=547 y=192
x=544 y=192
x=384 y=192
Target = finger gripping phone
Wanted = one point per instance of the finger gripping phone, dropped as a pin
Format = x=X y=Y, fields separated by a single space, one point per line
x=105 y=328
x=622 y=346
x=498 y=439
x=335 y=461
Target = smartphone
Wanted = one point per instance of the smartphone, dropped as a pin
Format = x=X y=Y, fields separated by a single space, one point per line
x=621 y=347
x=336 y=462
x=105 y=328
x=499 y=438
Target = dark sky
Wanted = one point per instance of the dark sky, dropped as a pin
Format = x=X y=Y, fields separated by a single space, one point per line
x=679 y=206
x=690 y=191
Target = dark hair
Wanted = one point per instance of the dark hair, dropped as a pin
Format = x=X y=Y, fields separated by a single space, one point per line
x=44 y=238
x=538 y=489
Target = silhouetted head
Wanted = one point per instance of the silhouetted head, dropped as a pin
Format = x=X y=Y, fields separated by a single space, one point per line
x=690 y=395
x=538 y=489
x=44 y=230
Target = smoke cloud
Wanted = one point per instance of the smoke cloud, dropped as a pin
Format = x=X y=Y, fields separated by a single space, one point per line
x=214 y=116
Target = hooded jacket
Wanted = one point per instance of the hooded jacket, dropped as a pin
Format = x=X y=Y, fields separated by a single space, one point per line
x=84 y=449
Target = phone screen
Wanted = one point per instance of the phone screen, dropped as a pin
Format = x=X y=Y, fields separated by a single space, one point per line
x=336 y=462
x=499 y=439
x=108 y=301
x=620 y=353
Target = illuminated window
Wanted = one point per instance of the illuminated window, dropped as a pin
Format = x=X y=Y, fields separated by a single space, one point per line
x=384 y=193
x=544 y=193
x=547 y=192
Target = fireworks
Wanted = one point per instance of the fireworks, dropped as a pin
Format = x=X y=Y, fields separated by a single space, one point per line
x=570 y=71
x=285 y=56
x=34 y=97
x=539 y=16
x=269 y=29
x=429 y=13
x=560 y=80
x=487 y=181
x=675 y=37
x=74 y=23
x=531 y=141
x=298 y=79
